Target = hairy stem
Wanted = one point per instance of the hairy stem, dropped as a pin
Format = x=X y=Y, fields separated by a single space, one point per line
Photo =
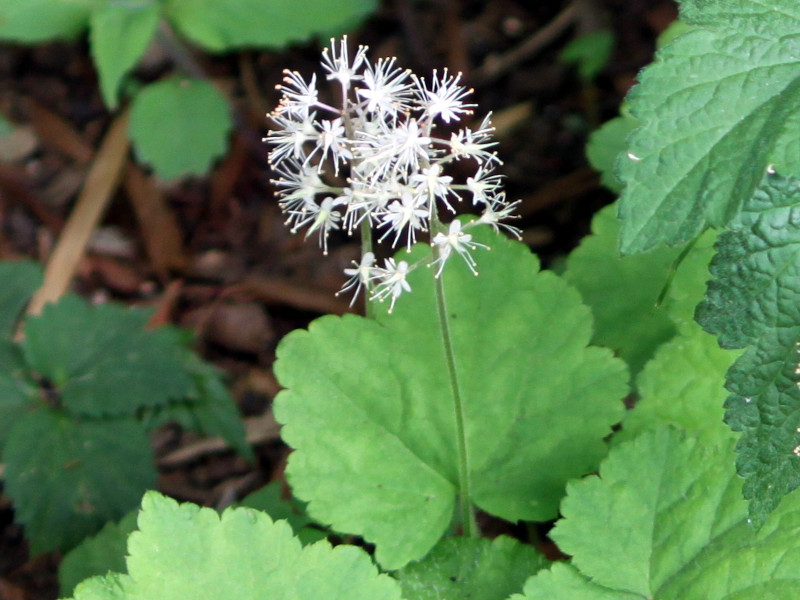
x=467 y=510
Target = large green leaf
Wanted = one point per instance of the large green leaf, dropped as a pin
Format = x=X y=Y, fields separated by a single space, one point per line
x=219 y=26
x=370 y=406
x=753 y=301
x=184 y=551
x=35 y=21
x=101 y=359
x=665 y=519
x=179 y=126
x=459 y=568
x=18 y=281
x=68 y=478
x=714 y=109
x=120 y=33
x=622 y=291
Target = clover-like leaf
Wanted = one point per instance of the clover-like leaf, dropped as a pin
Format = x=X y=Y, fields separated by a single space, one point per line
x=18 y=281
x=753 y=301
x=120 y=34
x=667 y=513
x=470 y=568
x=68 y=478
x=622 y=291
x=714 y=109
x=184 y=551
x=35 y=21
x=219 y=26
x=179 y=126
x=374 y=426
x=101 y=359
x=97 y=555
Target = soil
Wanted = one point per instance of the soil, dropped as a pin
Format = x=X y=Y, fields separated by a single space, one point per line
x=218 y=259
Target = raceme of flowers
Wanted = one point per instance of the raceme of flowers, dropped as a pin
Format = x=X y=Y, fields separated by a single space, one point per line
x=377 y=164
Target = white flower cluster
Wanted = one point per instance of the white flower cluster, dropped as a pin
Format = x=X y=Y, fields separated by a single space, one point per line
x=375 y=162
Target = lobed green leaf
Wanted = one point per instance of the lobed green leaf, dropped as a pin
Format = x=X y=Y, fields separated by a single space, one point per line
x=373 y=426
x=713 y=108
x=68 y=478
x=184 y=551
x=753 y=302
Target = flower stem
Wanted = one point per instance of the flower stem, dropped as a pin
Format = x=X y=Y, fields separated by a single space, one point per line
x=467 y=510
x=366 y=246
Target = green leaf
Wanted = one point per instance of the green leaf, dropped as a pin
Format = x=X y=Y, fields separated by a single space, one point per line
x=18 y=282
x=97 y=555
x=374 y=425
x=179 y=126
x=184 y=551
x=101 y=360
x=68 y=478
x=713 y=107
x=622 y=291
x=606 y=144
x=683 y=385
x=462 y=567
x=667 y=514
x=270 y=500
x=120 y=34
x=35 y=21
x=16 y=394
x=234 y=24
x=753 y=301
x=589 y=52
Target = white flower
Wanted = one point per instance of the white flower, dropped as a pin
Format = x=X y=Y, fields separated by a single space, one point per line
x=391 y=281
x=298 y=96
x=498 y=210
x=359 y=276
x=290 y=137
x=332 y=141
x=468 y=143
x=445 y=97
x=338 y=64
x=408 y=212
x=298 y=185
x=322 y=218
x=484 y=185
x=433 y=184
x=386 y=88
x=456 y=240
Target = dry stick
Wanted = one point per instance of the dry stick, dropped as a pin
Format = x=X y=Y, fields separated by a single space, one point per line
x=101 y=181
x=494 y=68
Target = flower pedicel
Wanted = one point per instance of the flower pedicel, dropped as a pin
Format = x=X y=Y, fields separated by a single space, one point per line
x=377 y=163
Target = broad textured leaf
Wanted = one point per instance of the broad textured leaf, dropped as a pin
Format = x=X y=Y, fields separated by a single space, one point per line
x=753 y=301
x=34 y=21
x=370 y=409
x=219 y=26
x=683 y=385
x=68 y=478
x=179 y=126
x=665 y=520
x=713 y=107
x=606 y=144
x=97 y=555
x=184 y=551
x=19 y=281
x=120 y=33
x=101 y=359
x=622 y=291
x=459 y=568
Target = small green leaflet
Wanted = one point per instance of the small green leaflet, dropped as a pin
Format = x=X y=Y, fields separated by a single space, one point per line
x=461 y=567
x=373 y=426
x=97 y=357
x=67 y=478
x=120 y=34
x=665 y=519
x=753 y=302
x=715 y=110
x=180 y=126
x=182 y=551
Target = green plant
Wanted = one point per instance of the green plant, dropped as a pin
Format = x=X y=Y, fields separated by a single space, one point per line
x=78 y=393
x=485 y=393
x=179 y=124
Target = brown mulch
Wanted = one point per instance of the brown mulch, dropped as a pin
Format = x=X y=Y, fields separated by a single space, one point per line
x=212 y=253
